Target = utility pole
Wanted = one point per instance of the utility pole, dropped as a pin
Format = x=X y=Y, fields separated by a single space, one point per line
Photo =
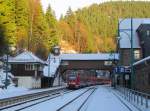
x=132 y=55
x=49 y=70
x=6 y=78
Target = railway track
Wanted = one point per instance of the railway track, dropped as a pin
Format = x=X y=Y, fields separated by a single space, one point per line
x=19 y=100
x=23 y=105
x=82 y=97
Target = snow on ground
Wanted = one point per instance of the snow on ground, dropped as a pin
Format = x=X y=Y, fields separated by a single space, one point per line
x=54 y=104
x=103 y=99
x=77 y=103
x=138 y=105
x=12 y=91
x=3 y=78
x=18 y=91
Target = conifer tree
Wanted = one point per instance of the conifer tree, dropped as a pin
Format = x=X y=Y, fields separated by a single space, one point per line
x=22 y=23
x=7 y=21
x=52 y=25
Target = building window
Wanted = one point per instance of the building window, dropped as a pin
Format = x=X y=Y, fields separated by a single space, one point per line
x=136 y=54
x=40 y=68
x=29 y=67
x=148 y=32
x=108 y=63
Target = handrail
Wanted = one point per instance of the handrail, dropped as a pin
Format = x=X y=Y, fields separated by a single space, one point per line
x=137 y=97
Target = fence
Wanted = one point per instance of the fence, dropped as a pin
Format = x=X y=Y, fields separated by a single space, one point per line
x=137 y=97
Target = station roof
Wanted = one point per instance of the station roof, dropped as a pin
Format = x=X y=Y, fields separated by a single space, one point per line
x=53 y=61
x=142 y=61
x=96 y=56
x=26 y=57
x=143 y=27
x=125 y=31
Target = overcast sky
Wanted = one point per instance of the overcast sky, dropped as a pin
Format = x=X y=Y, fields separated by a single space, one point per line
x=61 y=6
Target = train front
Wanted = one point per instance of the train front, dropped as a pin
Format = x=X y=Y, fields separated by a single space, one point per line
x=73 y=81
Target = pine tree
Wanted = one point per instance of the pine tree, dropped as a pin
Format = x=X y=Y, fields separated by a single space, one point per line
x=2 y=40
x=22 y=23
x=38 y=27
x=50 y=17
x=52 y=24
x=7 y=21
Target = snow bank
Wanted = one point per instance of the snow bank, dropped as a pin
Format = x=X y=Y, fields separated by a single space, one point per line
x=11 y=91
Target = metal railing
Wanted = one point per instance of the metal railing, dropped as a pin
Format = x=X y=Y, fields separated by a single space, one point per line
x=139 y=98
x=26 y=97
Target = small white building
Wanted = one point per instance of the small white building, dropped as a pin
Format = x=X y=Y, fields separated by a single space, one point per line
x=27 y=69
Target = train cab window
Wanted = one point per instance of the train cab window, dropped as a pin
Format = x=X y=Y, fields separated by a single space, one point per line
x=72 y=76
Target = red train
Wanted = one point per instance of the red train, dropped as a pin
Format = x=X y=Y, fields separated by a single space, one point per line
x=82 y=78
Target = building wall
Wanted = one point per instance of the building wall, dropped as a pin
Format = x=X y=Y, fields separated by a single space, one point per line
x=19 y=70
x=125 y=56
x=142 y=78
x=29 y=82
x=125 y=60
x=145 y=40
x=85 y=64
x=144 y=36
x=47 y=82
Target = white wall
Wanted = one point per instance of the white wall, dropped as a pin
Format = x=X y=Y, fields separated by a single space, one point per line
x=29 y=82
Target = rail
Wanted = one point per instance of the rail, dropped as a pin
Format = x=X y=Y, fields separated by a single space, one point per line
x=134 y=96
x=71 y=101
x=17 y=99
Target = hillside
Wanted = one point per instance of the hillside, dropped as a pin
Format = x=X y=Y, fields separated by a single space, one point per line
x=24 y=25
x=94 y=29
x=66 y=48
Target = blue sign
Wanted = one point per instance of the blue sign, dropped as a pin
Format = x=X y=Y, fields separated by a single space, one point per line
x=121 y=69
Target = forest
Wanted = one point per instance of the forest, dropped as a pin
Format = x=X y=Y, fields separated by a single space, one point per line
x=24 y=25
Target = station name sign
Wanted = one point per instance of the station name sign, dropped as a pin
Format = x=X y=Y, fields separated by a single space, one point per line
x=122 y=69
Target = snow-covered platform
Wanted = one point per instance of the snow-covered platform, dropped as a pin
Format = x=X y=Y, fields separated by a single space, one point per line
x=104 y=98
x=107 y=99
x=14 y=91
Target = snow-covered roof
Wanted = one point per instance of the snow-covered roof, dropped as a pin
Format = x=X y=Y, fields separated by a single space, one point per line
x=142 y=61
x=26 y=57
x=125 y=31
x=53 y=62
x=96 y=56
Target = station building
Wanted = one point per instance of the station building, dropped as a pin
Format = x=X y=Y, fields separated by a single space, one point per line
x=140 y=51
x=142 y=67
x=27 y=69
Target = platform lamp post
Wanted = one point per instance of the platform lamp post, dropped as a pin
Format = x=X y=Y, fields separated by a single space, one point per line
x=128 y=36
x=132 y=57
x=56 y=52
x=49 y=61
x=9 y=49
x=113 y=63
x=118 y=40
x=131 y=50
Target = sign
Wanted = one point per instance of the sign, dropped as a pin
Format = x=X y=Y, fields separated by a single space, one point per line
x=107 y=63
x=127 y=77
x=122 y=69
x=64 y=63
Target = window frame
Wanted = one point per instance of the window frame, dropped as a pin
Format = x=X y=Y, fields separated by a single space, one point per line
x=29 y=67
x=137 y=54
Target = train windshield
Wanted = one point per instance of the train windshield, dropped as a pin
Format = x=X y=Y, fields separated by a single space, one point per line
x=72 y=77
